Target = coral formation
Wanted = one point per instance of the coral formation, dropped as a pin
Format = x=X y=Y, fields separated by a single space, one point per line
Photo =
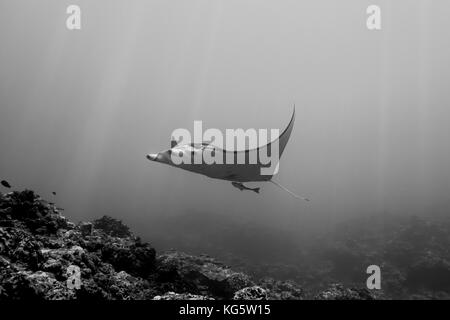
x=44 y=256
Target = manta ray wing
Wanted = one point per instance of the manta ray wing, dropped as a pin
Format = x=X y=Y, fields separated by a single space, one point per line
x=282 y=139
x=246 y=172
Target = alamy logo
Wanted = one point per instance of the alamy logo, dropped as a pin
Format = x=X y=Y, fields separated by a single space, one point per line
x=236 y=146
x=374 y=280
x=374 y=19
x=73 y=21
x=73 y=274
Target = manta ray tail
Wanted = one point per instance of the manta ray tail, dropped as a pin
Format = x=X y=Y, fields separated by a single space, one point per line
x=290 y=192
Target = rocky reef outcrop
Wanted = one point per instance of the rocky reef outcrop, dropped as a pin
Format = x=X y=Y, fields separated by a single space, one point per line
x=43 y=256
x=338 y=292
x=203 y=274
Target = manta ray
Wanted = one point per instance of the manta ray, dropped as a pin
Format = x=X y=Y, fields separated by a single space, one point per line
x=237 y=173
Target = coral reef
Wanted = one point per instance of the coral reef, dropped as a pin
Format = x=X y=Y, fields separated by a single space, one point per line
x=251 y=293
x=43 y=256
x=202 y=274
x=338 y=292
x=282 y=290
x=181 y=296
x=411 y=252
x=112 y=227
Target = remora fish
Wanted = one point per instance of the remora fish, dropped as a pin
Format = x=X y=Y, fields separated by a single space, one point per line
x=241 y=187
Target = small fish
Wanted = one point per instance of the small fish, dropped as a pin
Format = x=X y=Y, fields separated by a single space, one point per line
x=241 y=187
x=5 y=184
x=54 y=193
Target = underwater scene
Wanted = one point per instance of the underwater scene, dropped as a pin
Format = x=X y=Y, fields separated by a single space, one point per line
x=224 y=151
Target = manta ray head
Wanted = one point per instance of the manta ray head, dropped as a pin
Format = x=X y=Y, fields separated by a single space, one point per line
x=178 y=155
x=163 y=157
